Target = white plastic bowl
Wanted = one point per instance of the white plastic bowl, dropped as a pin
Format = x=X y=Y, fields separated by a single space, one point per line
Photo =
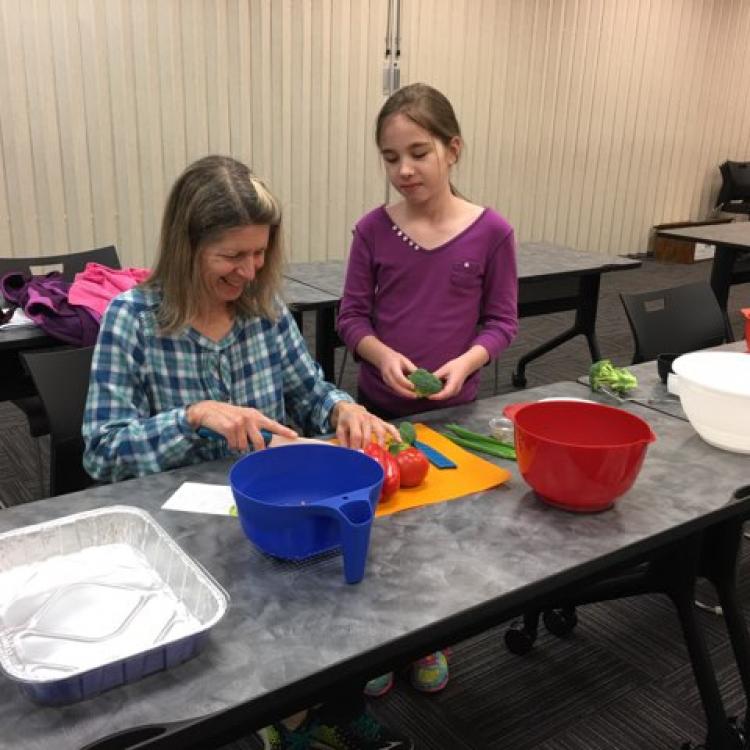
x=714 y=388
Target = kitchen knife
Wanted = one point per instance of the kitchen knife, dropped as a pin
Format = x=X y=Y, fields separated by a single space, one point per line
x=207 y=432
x=436 y=458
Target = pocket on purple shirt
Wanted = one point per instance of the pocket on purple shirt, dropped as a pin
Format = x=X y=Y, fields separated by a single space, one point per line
x=466 y=274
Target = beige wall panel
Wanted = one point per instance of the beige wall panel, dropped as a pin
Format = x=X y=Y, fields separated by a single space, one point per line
x=23 y=228
x=44 y=126
x=106 y=102
x=78 y=209
x=588 y=121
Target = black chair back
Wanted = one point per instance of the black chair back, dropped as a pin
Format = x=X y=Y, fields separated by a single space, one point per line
x=676 y=320
x=69 y=265
x=61 y=378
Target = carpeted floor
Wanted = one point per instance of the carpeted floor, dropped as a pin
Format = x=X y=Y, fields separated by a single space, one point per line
x=621 y=681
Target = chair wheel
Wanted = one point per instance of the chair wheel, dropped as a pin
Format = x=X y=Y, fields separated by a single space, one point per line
x=560 y=622
x=518 y=640
x=519 y=381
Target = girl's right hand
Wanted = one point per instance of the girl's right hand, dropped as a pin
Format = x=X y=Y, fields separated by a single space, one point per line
x=394 y=368
x=240 y=425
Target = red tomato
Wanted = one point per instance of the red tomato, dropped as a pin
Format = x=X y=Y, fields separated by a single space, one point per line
x=413 y=465
x=391 y=469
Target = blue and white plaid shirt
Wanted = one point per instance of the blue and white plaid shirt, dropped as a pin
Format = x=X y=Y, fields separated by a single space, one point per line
x=142 y=381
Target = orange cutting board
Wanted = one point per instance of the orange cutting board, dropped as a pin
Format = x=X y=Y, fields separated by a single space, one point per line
x=472 y=474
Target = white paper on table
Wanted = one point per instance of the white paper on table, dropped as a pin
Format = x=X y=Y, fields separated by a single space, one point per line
x=19 y=320
x=196 y=497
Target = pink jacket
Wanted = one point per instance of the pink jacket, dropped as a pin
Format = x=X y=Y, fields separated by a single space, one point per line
x=97 y=285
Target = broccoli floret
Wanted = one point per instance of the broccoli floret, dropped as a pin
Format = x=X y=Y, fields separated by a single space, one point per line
x=407 y=432
x=425 y=383
x=618 y=379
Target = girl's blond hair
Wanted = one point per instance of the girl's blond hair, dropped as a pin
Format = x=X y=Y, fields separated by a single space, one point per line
x=213 y=195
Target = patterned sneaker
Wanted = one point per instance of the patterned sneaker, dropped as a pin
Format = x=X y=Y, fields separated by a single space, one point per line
x=430 y=675
x=364 y=733
x=278 y=737
x=379 y=685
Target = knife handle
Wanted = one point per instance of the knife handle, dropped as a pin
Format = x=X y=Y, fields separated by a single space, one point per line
x=437 y=459
x=207 y=432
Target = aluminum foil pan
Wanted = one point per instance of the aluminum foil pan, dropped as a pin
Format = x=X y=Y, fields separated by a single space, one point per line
x=99 y=599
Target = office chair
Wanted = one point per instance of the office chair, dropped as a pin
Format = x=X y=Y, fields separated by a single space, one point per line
x=61 y=378
x=69 y=265
x=734 y=195
x=678 y=320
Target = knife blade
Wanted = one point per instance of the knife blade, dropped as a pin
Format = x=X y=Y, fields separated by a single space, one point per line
x=435 y=457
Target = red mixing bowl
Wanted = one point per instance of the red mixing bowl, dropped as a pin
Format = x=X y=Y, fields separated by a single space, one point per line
x=578 y=455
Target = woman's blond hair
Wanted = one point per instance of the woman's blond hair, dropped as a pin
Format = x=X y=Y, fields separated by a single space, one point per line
x=213 y=195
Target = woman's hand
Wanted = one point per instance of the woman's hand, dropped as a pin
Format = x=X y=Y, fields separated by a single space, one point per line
x=356 y=427
x=240 y=425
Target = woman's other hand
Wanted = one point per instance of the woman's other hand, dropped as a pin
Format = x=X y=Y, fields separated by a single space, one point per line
x=240 y=425
x=356 y=427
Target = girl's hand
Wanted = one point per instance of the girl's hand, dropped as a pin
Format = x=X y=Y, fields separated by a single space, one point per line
x=356 y=427
x=454 y=374
x=240 y=425
x=394 y=368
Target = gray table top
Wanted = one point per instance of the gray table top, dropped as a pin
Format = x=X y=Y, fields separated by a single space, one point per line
x=290 y=621
x=301 y=296
x=651 y=391
x=536 y=261
x=734 y=234
x=17 y=337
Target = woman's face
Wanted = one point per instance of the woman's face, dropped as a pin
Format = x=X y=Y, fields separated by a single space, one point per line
x=417 y=163
x=231 y=262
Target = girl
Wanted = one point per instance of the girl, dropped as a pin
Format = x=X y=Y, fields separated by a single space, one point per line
x=431 y=282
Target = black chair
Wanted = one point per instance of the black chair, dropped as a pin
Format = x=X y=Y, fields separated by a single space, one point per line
x=69 y=265
x=734 y=195
x=677 y=320
x=61 y=378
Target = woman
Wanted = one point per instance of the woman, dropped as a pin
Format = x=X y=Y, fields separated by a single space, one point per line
x=206 y=342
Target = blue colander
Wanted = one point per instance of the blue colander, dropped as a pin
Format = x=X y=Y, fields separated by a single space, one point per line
x=296 y=501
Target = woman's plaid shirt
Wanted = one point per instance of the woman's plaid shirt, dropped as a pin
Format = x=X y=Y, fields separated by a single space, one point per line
x=142 y=381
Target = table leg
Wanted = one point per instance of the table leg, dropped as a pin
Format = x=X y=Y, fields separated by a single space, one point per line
x=721 y=279
x=298 y=318
x=720 y=554
x=325 y=341
x=585 y=324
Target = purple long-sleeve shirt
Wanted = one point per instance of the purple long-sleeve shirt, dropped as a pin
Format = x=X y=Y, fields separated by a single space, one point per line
x=430 y=305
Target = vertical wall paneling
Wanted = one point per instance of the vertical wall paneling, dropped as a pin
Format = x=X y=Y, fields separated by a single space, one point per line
x=600 y=118
x=68 y=76
x=19 y=185
x=586 y=121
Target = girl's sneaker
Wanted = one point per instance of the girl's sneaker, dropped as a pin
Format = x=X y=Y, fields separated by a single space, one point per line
x=278 y=737
x=379 y=686
x=430 y=674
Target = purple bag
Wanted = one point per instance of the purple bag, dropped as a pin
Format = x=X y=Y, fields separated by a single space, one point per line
x=45 y=300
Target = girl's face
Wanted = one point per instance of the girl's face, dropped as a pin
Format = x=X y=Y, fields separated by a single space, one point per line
x=417 y=163
x=231 y=262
